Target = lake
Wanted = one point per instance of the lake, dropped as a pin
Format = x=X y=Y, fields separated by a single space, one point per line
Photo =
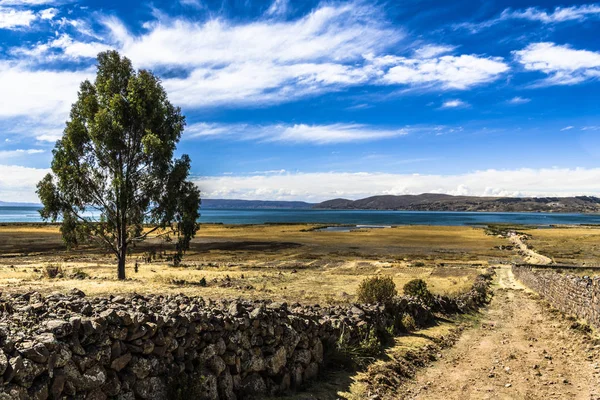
x=352 y=217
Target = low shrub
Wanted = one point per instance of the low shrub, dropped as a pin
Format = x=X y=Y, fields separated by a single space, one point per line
x=377 y=290
x=79 y=274
x=52 y=271
x=418 y=288
x=408 y=323
x=355 y=355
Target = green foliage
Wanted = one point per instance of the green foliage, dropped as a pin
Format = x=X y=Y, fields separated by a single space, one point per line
x=202 y=282
x=116 y=158
x=352 y=355
x=408 y=323
x=377 y=290
x=418 y=288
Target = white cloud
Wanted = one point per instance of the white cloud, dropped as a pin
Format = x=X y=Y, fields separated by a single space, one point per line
x=519 y=100
x=48 y=13
x=558 y=15
x=37 y=92
x=5 y=154
x=278 y=8
x=455 y=103
x=76 y=49
x=271 y=61
x=297 y=133
x=28 y=2
x=433 y=50
x=18 y=183
x=323 y=185
x=341 y=33
x=567 y=128
x=40 y=100
x=11 y=18
x=447 y=72
x=192 y=3
x=563 y=64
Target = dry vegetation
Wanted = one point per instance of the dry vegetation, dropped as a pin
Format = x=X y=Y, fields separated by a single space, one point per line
x=568 y=245
x=290 y=262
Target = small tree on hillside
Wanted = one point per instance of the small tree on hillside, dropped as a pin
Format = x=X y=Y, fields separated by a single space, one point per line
x=115 y=161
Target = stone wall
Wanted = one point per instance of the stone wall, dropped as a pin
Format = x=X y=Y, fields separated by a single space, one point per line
x=571 y=294
x=69 y=346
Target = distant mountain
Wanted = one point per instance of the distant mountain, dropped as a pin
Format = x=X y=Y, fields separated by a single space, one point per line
x=444 y=202
x=253 y=204
x=13 y=204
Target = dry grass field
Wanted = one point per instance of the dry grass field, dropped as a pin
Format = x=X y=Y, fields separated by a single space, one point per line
x=295 y=263
x=568 y=245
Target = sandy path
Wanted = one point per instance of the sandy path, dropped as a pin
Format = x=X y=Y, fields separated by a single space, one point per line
x=520 y=352
x=530 y=256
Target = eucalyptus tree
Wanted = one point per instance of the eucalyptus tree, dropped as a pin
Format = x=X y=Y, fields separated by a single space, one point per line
x=114 y=177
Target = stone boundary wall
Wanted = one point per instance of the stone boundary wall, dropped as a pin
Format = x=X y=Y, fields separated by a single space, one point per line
x=69 y=346
x=571 y=294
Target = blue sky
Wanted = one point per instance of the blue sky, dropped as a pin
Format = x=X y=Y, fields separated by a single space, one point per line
x=313 y=100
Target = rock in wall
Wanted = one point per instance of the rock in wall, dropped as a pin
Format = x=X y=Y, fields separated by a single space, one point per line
x=69 y=346
x=571 y=294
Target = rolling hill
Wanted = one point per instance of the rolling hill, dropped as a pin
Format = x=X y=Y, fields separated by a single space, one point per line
x=444 y=202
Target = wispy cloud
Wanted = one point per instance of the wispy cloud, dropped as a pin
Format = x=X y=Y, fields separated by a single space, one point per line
x=32 y=2
x=567 y=128
x=278 y=8
x=433 y=50
x=563 y=64
x=518 y=100
x=275 y=60
x=454 y=103
x=4 y=154
x=296 y=133
x=557 y=15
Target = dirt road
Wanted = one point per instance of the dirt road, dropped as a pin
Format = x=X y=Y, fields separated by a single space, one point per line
x=520 y=351
x=530 y=256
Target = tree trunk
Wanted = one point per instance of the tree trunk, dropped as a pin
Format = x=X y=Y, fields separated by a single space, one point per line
x=121 y=268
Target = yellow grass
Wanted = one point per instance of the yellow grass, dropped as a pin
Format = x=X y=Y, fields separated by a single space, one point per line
x=294 y=263
x=568 y=245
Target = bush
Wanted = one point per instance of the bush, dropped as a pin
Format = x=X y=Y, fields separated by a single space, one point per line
x=408 y=323
x=377 y=290
x=418 y=288
x=356 y=354
x=53 y=271
x=79 y=274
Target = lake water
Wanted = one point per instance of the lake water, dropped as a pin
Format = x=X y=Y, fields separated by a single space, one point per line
x=352 y=217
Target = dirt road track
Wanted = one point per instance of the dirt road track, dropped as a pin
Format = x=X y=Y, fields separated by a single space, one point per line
x=520 y=351
x=530 y=256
